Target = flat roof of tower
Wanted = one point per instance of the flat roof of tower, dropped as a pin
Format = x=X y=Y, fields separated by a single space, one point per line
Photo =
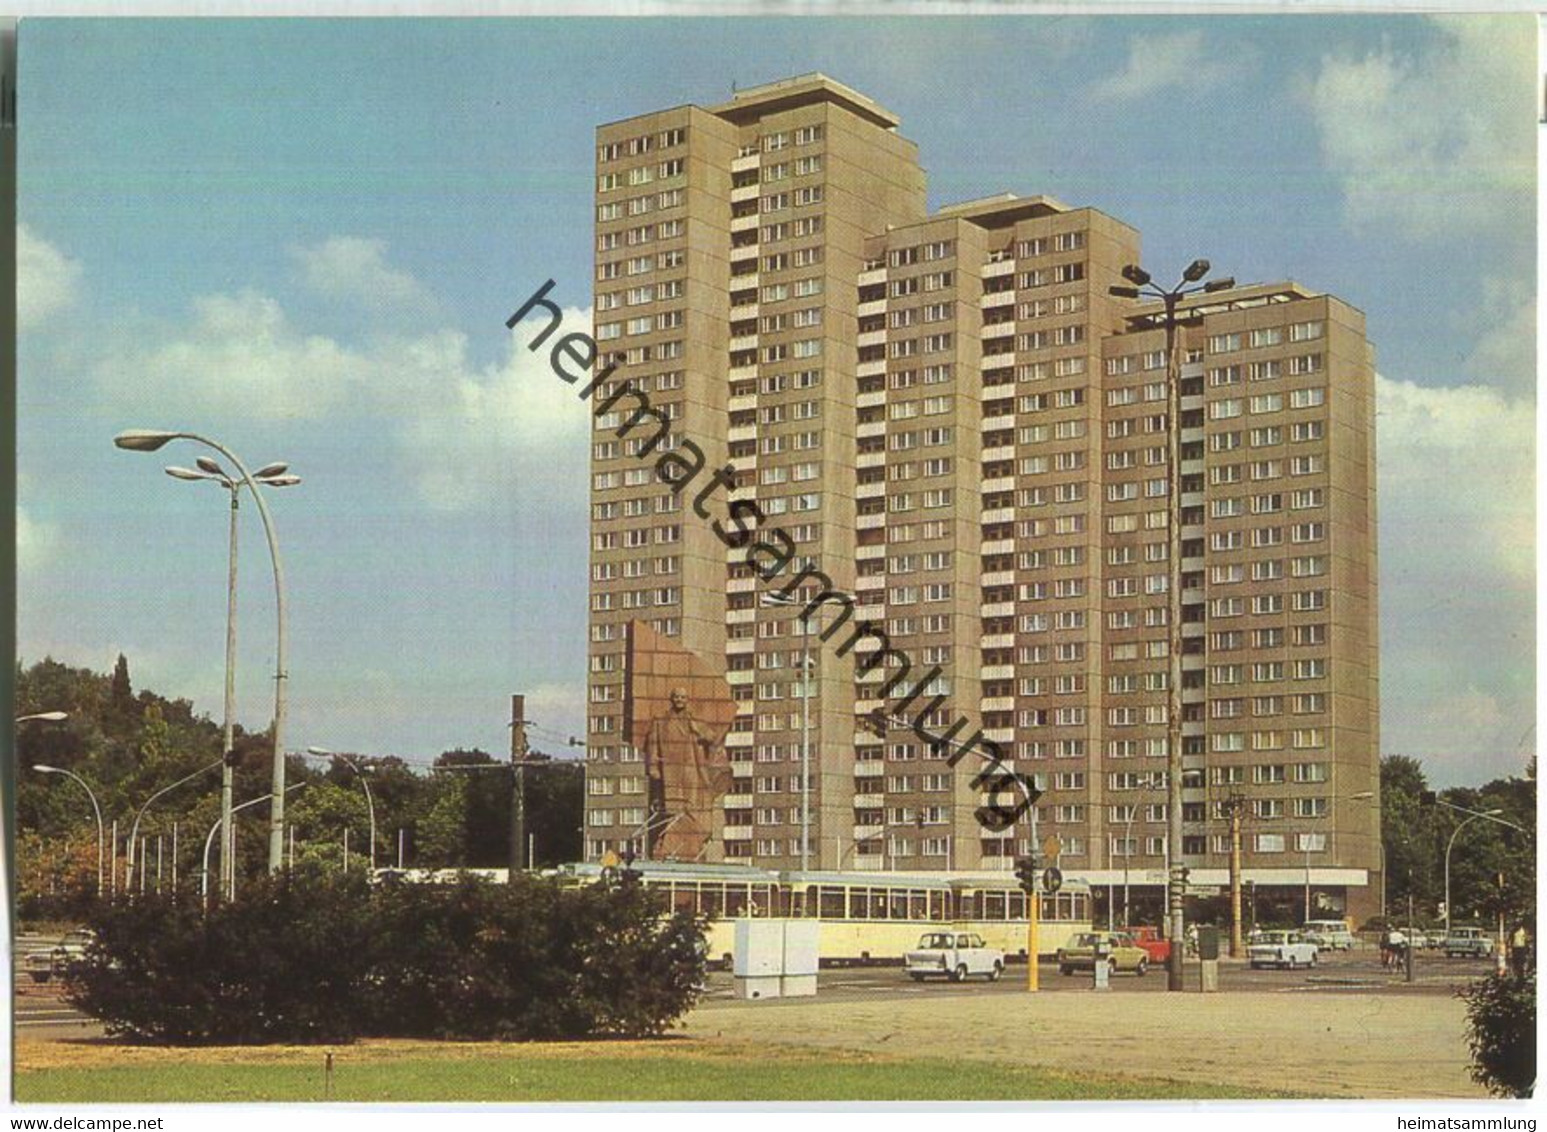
x=802 y=90
x=1002 y=208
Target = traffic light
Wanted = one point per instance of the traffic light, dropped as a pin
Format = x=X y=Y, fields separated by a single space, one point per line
x=629 y=874
x=1186 y=872
x=1026 y=873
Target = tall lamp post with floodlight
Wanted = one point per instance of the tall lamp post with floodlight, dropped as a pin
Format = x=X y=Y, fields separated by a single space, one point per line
x=1140 y=285
x=270 y=475
x=150 y=440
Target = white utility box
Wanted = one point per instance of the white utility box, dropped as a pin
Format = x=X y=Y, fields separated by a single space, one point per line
x=758 y=959
x=801 y=938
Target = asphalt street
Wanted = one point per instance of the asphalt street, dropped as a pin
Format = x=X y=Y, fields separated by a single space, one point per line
x=41 y=1013
x=1355 y=972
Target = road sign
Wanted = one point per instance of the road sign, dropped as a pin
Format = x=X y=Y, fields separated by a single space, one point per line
x=1051 y=847
x=1052 y=880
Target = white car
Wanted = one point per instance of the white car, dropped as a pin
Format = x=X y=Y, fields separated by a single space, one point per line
x=1280 y=949
x=1329 y=935
x=44 y=965
x=954 y=956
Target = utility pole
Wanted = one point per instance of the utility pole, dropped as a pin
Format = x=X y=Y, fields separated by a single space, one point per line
x=1235 y=808
x=518 y=757
x=1408 y=950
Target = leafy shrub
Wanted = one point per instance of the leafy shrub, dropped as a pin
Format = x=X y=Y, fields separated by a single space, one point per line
x=311 y=958
x=1501 y=1025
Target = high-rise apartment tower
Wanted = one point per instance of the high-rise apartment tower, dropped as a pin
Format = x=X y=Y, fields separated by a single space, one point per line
x=951 y=418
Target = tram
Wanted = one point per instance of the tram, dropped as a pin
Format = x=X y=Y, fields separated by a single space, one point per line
x=866 y=917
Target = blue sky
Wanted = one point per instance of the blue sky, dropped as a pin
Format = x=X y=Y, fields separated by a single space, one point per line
x=303 y=238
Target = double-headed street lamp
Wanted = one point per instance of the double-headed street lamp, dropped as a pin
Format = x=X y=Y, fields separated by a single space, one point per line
x=361 y=773
x=148 y=440
x=95 y=809
x=1140 y=285
x=44 y=717
x=270 y=475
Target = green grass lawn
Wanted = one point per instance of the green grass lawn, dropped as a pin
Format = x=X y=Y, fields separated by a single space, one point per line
x=682 y=1074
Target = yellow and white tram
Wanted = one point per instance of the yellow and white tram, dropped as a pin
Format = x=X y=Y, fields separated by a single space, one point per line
x=865 y=916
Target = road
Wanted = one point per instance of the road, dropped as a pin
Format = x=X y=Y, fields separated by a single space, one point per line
x=1355 y=972
x=38 y=1010
x=41 y=1013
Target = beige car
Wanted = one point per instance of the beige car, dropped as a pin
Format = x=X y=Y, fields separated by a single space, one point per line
x=1122 y=954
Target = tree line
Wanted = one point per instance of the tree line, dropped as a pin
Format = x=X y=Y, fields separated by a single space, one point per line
x=1417 y=826
x=127 y=744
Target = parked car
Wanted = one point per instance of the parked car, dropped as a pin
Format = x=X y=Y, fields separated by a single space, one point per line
x=1468 y=941
x=44 y=965
x=953 y=955
x=1122 y=954
x=1281 y=949
x=1158 y=949
x=1328 y=935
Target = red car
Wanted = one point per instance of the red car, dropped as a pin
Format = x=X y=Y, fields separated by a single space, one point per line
x=1159 y=950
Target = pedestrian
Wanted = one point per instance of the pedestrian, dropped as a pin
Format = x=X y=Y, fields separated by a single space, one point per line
x=1518 y=950
x=1393 y=949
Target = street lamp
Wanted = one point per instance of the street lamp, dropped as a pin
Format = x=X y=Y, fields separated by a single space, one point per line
x=210 y=839
x=1144 y=286
x=1144 y=784
x=148 y=440
x=360 y=772
x=805 y=729
x=44 y=717
x=270 y=475
x=1030 y=794
x=135 y=828
x=1473 y=815
x=96 y=809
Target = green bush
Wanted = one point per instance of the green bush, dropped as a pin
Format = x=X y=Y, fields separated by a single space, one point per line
x=1501 y=1030
x=312 y=958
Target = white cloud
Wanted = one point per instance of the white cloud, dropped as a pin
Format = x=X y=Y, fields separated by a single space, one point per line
x=1160 y=62
x=1461 y=460
x=36 y=542
x=356 y=269
x=560 y=709
x=1434 y=142
x=46 y=279
x=1504 y=321
x=514 y=425
x=466 y=433
x=1457 y=565
x=241 y=356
